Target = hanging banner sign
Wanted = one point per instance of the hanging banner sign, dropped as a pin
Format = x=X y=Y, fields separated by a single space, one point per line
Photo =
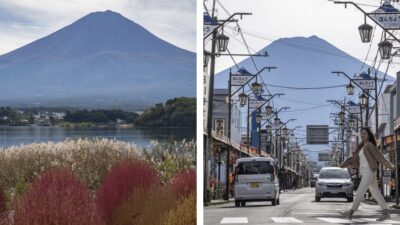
x=256 y=103
x=209 y=24
x=240 y=80
x=366 y=84
x=387 y=16
x=354 y=109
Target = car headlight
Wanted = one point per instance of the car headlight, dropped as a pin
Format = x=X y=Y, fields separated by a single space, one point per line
x=347 y=184
x=321 y=184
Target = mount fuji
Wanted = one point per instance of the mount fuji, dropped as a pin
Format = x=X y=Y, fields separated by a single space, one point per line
x=303 y=74
x=101 y=60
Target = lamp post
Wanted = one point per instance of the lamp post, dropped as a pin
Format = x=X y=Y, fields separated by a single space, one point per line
x=365 y=32
x=243 y=100
x=364 y=104
x=350 y=89
x=259 y=108
x=222 y=43
x=385 y=49
x=364 y=97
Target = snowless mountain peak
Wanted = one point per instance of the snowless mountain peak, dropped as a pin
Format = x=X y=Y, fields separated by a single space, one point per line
x=102 y=56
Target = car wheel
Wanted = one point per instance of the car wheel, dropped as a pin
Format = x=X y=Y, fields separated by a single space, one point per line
x=317 y=199
x=350 y=199
x=237 y=203
x=273 y=202
x=243 y=204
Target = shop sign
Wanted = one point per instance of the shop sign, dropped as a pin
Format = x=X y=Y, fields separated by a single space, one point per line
x=388 y=140
x=397 y=123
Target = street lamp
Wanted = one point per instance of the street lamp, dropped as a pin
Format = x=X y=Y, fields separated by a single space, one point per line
x=363 y=100
x=222 y=42
x=351 y=123
x=341 y=115
x=258 y=118
x=269 y=129
x=385 y=49
x=365 y=32
x=206 y=58
x=277 y=121
x=350 y=89
x=242 y=99
x=256 y=87
x=285 y=131
x=268 y=109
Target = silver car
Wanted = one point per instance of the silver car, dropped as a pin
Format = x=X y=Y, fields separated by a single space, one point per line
x=256 y=179
x=334 y=182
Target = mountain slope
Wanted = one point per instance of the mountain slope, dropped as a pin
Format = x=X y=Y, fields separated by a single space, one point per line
x=303 y=63
x=103 y=59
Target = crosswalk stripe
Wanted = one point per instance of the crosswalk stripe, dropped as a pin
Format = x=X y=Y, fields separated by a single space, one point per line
x=386 y=222
x=334 y=220
x=286 y=220
x=235 y=220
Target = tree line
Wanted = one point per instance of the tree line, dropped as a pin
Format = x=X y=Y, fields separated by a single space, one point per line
x=177 y=112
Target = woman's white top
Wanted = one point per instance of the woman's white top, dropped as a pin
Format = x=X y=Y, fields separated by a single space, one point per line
x=364 y=166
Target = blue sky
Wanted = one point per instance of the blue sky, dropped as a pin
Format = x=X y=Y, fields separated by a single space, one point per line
x=24 y=21
x=274 y=19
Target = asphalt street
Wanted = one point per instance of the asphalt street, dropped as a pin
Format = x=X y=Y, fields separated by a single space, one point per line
x=296 y=207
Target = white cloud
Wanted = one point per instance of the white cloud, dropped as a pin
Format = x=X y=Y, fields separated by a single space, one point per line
x=24 y=21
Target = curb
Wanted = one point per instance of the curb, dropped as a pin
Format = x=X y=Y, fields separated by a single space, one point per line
x=218 y=203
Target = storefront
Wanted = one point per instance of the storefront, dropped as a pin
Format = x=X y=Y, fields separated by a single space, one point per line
x=397 y=144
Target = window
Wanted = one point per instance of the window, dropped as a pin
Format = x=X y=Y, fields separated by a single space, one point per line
x=255 y=167
x=334 y=174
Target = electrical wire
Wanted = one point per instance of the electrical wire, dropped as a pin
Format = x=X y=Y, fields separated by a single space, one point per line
x=306 y=88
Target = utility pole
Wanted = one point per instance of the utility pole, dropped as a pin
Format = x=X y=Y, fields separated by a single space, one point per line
x=210 y=111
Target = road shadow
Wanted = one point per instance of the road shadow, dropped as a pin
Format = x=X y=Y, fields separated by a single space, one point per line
x=331 y=201
x=247 y=206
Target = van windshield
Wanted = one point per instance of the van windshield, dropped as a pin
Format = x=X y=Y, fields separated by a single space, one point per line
x=334 y=174
x=255 y=167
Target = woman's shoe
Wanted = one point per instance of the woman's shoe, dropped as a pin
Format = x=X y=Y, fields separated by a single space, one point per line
x=348 y=214
x=385 y=215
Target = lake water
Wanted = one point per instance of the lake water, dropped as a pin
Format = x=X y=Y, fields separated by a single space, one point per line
x=10 y=136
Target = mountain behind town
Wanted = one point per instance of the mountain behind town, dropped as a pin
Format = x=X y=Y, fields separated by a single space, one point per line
x=103 y=60
x=302 y=63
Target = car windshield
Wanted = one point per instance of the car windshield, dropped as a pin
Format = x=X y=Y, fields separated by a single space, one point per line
x=334 y=174
x=255 y=167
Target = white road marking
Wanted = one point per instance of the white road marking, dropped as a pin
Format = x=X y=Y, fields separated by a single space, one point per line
x=314 y=213
x=286 y=220
x=238 y=220
x=334 y=220
x=384 y=222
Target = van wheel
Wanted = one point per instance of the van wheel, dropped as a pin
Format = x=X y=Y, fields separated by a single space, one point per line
x=350 y=199
x=273 y=202
x=278 y=202
x=243 y=204
x=317 y=199
x=237 y=203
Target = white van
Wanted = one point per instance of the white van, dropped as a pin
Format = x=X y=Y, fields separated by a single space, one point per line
x=256 y=180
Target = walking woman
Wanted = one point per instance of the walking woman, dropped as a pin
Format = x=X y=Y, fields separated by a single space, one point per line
x=366 y=158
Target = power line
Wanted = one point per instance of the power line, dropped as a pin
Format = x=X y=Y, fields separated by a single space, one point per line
x=306 y=88
x=316 y=107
